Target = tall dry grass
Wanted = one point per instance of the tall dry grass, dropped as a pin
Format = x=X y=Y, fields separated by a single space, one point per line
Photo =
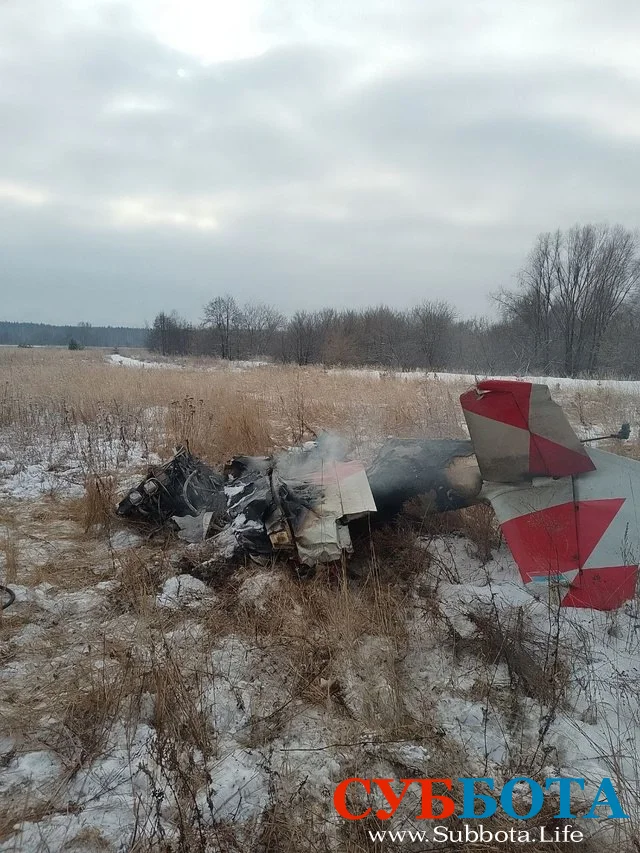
x=78 y=397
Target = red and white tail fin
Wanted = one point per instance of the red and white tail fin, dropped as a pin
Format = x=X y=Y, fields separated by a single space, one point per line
x=518 y=432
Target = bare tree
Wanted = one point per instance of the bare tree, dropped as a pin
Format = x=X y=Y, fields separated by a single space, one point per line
x=532 y=306
x=387 y=337
x=170 y=335
x=570 y=289
x=260 y=323
x=434 y=322
x=616 y=279
x=343 y=342
x=302 y=335
x=222 y=316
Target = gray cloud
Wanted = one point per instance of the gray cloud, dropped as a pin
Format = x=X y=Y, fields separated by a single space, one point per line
x=341 y=153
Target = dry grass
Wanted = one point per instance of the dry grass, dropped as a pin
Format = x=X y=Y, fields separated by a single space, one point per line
x=325 y=632
x=11 y=549
x=335 y=644
x=218 y=410
x=95 y=699
x=139 y=572
x=480 y=526
x=536 y=668
x=98 y=503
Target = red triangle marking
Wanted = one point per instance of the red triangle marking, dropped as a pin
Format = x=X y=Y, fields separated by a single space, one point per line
x=544 y=542
x=594 y=517
x=550 y=459
x=520 y=390
x=509 y=405
x=602 y=589
x=559 y=538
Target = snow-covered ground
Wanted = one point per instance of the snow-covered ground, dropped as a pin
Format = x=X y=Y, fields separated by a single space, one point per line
x=127 y=361
x=60 y=467
x=555 y=383
x=140 y=705
x=271 y=738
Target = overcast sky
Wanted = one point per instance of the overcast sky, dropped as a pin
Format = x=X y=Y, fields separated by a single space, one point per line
x=156 y=153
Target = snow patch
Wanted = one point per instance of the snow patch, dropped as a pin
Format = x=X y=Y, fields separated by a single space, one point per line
x=33 y=769
x=257 y=589
x=126 y=361
x=239 y=788
x=184 y=591
x=32 y=481
x=120 y=540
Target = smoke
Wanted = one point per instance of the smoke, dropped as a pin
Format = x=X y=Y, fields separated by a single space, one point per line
x=297 y=462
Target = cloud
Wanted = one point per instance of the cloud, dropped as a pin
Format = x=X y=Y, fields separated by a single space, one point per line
x=154 y=154
x=13 y=193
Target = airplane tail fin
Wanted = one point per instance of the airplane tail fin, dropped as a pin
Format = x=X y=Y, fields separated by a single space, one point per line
x=518 y=432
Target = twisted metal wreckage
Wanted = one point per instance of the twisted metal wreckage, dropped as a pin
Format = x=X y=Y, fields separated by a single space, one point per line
x=568 y=513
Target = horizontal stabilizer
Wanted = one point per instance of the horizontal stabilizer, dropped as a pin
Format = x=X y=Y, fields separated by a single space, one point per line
x=580 y=536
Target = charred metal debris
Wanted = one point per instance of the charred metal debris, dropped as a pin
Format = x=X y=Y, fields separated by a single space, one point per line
x=300 y=502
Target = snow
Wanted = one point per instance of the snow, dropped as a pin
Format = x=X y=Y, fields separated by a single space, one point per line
x=126 y=361
x=32 y=481
x=257 y=589
x=239 y=788
x=248 y=364
x=466 y=722
x=184 y=591
x=555 y=383
x=33 y=769
x=247 y=684
x=63 y=605
x=108 y=790
x=60 y=467
x=120 y=540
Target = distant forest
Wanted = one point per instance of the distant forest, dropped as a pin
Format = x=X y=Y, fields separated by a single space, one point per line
x=43 y=334
x=575 y=311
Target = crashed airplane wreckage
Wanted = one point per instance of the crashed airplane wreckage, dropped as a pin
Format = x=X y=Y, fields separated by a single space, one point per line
x=301 y=501
x=566 y=512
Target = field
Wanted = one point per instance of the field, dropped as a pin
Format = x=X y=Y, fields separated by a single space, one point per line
x=139 y=714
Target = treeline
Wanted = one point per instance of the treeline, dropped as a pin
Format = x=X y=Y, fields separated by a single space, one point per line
x=43 y=334
x=574 y=311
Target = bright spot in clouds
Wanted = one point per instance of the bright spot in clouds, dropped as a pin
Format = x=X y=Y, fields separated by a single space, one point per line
x=16 y=193
x=210 y=30
x=147 y=212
